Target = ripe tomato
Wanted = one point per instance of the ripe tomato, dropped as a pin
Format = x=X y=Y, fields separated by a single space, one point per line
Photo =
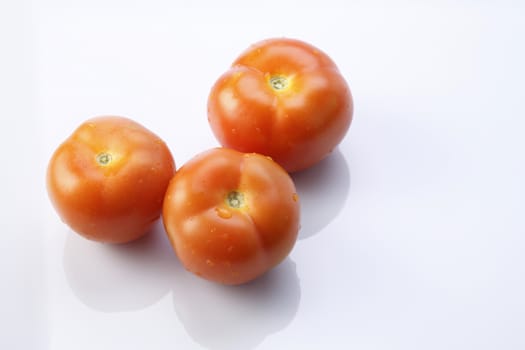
x=231 y=216
x=283 y=98
x=108 y=179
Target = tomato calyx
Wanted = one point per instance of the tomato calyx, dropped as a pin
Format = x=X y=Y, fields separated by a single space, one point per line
x=235 y=199
x=104 y=158
x=278 y=82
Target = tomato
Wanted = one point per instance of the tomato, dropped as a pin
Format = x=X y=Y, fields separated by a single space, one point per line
x=231 y=216
x=108 y=179
x=283 y=98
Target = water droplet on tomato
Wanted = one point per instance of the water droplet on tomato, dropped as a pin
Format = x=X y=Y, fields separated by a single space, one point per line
x=234 y=131
x=210 y=263
x=223 y=212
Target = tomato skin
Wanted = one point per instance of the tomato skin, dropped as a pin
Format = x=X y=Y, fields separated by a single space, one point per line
x=227 y=244
x=298 y=124
x=115 y=202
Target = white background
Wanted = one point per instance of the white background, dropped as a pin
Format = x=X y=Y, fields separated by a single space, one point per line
x=412 y=232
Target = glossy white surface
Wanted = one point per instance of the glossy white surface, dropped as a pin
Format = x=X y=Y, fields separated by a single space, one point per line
x=412 y=233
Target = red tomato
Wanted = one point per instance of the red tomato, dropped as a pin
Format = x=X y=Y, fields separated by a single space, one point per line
x=231 y=216
x=108 y=179
x=283 y=98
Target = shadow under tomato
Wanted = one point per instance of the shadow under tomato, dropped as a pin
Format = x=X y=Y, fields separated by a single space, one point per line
x=323 y=190
x=125 y=277
x=133 y=276
x=237 y=317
